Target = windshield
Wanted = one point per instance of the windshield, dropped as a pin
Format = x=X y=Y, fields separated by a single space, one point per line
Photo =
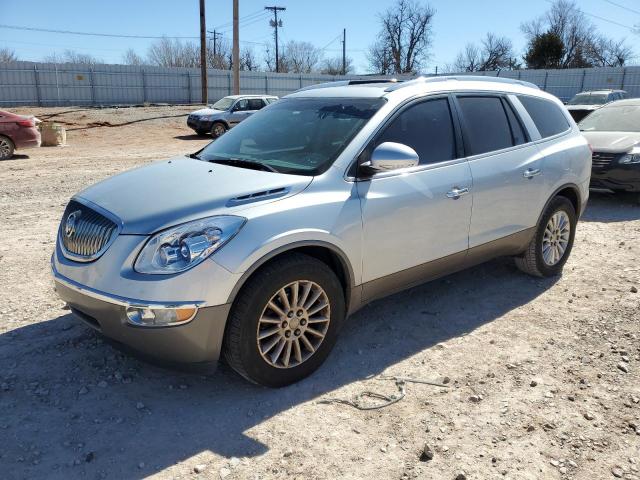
x=302 y=136
x=589 y=99
x=223 y=104
x=613 y=119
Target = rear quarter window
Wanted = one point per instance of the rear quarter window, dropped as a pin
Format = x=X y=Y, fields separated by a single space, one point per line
x=547 y=116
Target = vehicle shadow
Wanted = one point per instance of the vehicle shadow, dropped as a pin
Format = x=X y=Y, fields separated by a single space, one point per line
x=193 y=137
x=609 y=207
x=74 y=406
x=16 y=156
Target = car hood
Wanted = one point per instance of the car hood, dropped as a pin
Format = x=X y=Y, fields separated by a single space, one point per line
x=614 y=142
x=170 y=192
x=583 y=107
x=207 y=111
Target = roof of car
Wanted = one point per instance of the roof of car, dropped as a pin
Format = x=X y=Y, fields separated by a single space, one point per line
x=629 y=102
x=384 y=88
x=235 y=97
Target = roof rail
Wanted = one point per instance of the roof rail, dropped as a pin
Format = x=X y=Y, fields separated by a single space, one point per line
x=344 y=83
x=461 y=78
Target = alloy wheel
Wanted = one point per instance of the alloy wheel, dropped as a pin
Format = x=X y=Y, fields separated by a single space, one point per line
x=293 y=324
x=556 y=238
x=5 y=148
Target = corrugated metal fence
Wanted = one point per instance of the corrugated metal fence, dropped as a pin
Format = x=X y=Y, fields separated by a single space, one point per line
x=49 y=84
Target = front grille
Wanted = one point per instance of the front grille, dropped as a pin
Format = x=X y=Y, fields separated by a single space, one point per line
x=85 y=233
x=602 y=160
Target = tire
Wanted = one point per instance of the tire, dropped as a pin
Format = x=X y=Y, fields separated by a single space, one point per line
x=6 y=148
x=533 y=261
x=218 y=129
x=247 y=354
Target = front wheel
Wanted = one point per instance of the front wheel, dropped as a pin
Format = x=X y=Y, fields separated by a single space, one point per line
x=285 y=321
x=218 y=129
x=550 y=247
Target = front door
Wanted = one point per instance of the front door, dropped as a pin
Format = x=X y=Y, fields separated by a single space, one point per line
x=414 y=219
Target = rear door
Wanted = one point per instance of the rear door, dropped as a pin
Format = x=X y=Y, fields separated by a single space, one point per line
x=505 y=166
x=239 y=111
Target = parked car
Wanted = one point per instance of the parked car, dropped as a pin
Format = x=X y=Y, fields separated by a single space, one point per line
x=226 y=113
x=586 y=102
x=613 y=132
x=16 y=133
x=259 y=245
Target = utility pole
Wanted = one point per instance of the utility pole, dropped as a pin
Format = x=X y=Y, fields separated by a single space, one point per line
x=236 y=49
x=203 y=54
x=344 y=51
x=275 y=24
x=215 y=35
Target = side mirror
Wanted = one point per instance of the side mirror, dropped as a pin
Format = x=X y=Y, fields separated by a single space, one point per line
x=390 y=156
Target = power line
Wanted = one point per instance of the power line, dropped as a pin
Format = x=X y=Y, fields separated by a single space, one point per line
x=637 y=12
x=246 y=17
x=613 y=22
x=92 y=34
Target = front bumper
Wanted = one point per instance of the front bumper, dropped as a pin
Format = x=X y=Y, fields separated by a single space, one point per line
x=197 y=342
x=199 y=125
x=617 y=177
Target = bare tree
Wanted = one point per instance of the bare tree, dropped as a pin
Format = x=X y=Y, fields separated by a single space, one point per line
x=494 y=53
x=333 y=66
x=605 y=52
x=219 y=55
x=301 y=57
x=248 y=59
x=173 y=53
x=131 y=57
x=380 y=60
x=270 y=60
x=405 y=37
x=71 y=56
x=7 y=55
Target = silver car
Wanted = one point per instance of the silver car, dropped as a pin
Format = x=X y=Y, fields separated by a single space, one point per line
x=227 y=113
x=260 y=245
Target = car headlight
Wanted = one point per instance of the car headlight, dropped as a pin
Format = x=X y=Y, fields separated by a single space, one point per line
x=630 y=158
x=182 y=247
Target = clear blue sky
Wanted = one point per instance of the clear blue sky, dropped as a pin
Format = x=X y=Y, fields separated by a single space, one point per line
x=320 y=22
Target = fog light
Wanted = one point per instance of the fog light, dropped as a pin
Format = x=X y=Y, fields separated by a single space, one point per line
x=159 y=317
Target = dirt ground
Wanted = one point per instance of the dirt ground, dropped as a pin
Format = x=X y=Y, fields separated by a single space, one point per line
x=542 y=376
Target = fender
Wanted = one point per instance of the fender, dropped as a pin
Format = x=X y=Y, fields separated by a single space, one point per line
x=575 y=189
x=346 y=264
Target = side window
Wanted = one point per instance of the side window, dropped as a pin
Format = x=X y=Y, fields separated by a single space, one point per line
x=547 y=116
x=517 y=131
x=241 y=105
x=486 y=125
x=255 y=104
x=427 y=127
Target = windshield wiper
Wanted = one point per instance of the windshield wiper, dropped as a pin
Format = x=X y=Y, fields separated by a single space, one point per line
x=194 y=155
x=243 y=163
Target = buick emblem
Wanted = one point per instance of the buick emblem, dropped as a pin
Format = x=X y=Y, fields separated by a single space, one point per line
x=70 y=224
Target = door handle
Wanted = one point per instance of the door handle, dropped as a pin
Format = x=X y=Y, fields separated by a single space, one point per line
x=455 y=193
x=531 y=172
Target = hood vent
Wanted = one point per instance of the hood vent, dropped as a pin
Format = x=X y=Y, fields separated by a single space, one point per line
x=258 y=196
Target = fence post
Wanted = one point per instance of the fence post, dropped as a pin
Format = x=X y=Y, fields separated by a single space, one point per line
x=624 y=75
x=546 y=76
x=266 y=83
x=300 y=81
x=144 y=85
x=229 y=83
x=92 y=85
x=37 y=81
x=584 y=74
x=188 y=74
x=57 y=86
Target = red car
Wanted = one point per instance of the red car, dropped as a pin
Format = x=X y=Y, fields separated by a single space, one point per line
x=17 y=132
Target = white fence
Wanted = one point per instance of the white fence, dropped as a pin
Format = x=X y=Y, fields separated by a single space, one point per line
x=49 y=84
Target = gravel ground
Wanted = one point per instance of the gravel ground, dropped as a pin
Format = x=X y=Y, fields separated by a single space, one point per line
x=541 y=376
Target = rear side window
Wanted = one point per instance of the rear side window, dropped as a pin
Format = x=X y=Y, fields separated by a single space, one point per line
x=547 y=116
x=255 y=104
x=427 y=127
x=486 y=125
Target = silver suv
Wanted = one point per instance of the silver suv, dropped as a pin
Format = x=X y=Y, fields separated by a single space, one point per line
x=227 y=113
x=258 y=246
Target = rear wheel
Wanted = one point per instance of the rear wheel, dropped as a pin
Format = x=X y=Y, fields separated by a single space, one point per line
x=550 y=247
x=285 y=321
x=6 y=148
x=218 y=129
